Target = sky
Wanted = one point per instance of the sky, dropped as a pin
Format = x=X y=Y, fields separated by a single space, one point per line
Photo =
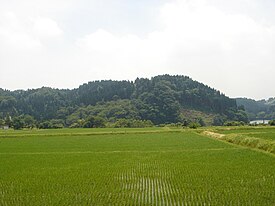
x=228 y=45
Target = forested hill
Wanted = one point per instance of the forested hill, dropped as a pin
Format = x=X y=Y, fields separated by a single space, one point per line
x=262 y=109
x=161 y=99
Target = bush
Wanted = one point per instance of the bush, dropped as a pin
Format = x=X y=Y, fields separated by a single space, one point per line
x=234 y=123
x=52 y=124
x=94 y=122
x=78 y=124
x=218 y=121
x=18 y=123
x=177 y=125
x=194 y=125
x=44 y=125
x=271 y=122
x=132 y=123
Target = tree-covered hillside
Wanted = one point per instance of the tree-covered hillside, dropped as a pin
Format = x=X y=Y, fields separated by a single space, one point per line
x=262 y=109
x=159 y=100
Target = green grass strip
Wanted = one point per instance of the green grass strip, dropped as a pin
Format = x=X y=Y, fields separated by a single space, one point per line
x=15 y=135
x=240 y=139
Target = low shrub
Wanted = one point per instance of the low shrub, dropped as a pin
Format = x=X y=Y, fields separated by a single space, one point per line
x=271 y=122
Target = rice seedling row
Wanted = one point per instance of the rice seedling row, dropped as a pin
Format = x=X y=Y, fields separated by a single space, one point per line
x=177 y=168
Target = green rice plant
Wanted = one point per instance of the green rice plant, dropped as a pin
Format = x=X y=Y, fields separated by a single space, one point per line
x=131 y=167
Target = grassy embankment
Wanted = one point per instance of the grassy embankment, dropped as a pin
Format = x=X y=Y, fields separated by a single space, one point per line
x=262 y=138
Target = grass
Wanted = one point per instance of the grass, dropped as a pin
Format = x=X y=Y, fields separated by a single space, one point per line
x=83 y=131
x=267 y=133
x=154 y=166
x=262 y=138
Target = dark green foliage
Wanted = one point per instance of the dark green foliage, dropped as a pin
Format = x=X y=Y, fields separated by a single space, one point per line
x=196 y=95
x=201 y=122
x=94 y=122
x=251 y=105
x=18 y=123
x=160 y=99
x=7 y=105
x=262 y=109
x=44 y=125
x=159 y=104
x=93 y=92
x=234 y=123
x=121 y=123
x=51 y=124
x=194 y=125
x=218 y=121
x=2 y=123
x=56 y=123
x=29 y=121
x=272 y=122
x=132 y=123
x=110 y=111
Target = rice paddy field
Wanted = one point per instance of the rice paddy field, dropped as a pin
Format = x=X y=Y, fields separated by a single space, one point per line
x=153 y=166
x=267 y=133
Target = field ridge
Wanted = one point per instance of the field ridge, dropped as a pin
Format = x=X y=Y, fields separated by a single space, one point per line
x=244 y=140
x=10 y=135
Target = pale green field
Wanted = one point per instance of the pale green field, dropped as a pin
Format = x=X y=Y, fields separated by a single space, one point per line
x=155 y=166
x=267 y=133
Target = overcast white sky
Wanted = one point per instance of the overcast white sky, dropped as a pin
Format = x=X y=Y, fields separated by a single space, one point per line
x=228 y=45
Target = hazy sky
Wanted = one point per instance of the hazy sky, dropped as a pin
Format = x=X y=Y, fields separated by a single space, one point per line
x=228 y=45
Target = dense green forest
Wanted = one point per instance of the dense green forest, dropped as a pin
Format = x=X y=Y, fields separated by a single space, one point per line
x=160 y=100
x=262 y=109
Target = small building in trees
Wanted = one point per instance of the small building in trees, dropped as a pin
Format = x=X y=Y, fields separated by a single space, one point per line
x=5 y=127
x=262 y=121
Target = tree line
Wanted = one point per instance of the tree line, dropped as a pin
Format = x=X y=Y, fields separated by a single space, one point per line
x=139 y=103
x=261 y=109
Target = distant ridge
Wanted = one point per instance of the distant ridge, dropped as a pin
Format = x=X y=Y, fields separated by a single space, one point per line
x=262 y=109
